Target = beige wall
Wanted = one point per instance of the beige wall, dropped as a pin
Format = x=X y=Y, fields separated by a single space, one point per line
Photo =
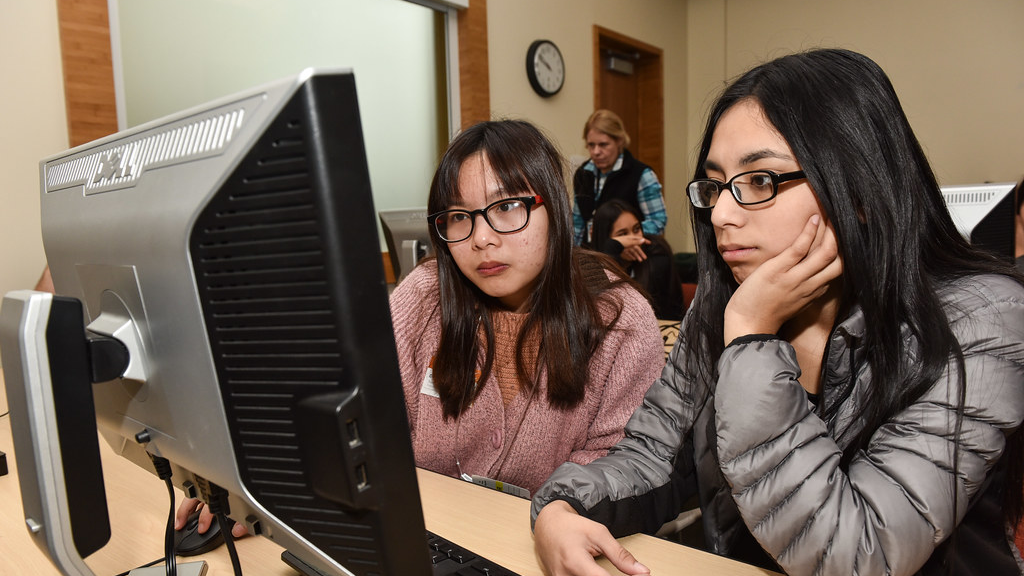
x=957 y=66
x=33 y=124
x=513 y=24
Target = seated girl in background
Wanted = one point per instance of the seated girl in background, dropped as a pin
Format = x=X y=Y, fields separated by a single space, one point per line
x=847 y=390
x=518 y=352
x=647 y=258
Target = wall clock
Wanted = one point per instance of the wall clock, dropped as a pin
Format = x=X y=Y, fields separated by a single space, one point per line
x=545 y=68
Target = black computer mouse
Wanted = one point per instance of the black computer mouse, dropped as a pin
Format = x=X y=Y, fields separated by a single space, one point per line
x=189 y=542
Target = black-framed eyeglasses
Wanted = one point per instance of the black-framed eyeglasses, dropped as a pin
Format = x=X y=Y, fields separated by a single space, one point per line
x=747 y=188
x=504 y=216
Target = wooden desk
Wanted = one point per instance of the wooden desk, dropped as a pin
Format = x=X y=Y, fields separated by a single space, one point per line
x=489 y=523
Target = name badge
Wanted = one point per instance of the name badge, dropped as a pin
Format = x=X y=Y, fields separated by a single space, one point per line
x=501 y=486
x=427 y=387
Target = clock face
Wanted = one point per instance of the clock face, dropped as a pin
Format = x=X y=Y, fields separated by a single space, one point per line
x=545 y=67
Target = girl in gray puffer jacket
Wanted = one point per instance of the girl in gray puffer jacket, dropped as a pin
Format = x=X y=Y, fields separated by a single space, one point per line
x=847 y=390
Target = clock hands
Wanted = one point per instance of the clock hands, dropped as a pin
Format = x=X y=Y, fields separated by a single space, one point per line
x=545 y=67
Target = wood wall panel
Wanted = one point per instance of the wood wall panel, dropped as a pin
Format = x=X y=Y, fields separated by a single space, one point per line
x=88 y=70
x=474 y=74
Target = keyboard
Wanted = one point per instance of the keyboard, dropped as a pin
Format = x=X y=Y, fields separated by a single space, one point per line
x=448 y=559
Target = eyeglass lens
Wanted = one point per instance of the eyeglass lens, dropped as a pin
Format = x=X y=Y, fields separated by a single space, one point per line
x=503 y=216
x=749 y=188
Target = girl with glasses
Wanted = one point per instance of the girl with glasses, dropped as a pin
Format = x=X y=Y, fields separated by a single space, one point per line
x=518 y=352
x=847 y=390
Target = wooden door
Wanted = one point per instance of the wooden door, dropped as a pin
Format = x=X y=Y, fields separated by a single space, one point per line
x=628 y=81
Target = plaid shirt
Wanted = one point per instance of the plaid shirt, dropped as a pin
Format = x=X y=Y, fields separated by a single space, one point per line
x=648 y=195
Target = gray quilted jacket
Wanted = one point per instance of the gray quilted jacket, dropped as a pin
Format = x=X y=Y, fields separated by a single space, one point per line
x=765 y=460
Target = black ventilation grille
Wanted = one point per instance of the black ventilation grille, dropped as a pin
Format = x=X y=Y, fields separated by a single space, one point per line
x=273 y=329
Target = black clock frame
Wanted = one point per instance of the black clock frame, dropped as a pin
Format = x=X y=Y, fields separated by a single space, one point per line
x=531 y=73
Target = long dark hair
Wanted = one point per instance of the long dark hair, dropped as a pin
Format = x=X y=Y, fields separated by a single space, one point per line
x=843 y=120
x=563 y=310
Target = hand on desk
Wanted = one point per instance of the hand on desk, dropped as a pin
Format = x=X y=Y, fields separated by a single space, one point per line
x=567 y=544
x=189 y=505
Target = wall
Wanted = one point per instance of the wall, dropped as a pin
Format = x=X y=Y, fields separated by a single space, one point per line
x=33 y=124
x=513 y=24
x=390 y=45
x=958 y=67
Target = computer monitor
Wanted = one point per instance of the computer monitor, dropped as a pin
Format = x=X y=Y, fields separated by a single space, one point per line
x=225 y=248
x=407 y=236
x=985 y=215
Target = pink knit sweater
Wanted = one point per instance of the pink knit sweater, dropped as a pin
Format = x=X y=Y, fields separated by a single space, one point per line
x=630 y=358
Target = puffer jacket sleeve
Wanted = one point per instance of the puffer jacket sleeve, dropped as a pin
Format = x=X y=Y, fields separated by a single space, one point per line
x=641 y=483
x=894 y=504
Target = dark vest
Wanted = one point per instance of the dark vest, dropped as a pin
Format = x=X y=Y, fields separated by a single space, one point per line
x=622 y=184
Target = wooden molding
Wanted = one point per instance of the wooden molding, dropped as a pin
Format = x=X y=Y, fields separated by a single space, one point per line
x=389 y=272
x=627 y=42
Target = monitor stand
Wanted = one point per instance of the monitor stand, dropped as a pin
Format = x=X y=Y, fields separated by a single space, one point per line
x=300 y=565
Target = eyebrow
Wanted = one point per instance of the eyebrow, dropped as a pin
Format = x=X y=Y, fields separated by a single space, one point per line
x=499 y=194
x=749 y=158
